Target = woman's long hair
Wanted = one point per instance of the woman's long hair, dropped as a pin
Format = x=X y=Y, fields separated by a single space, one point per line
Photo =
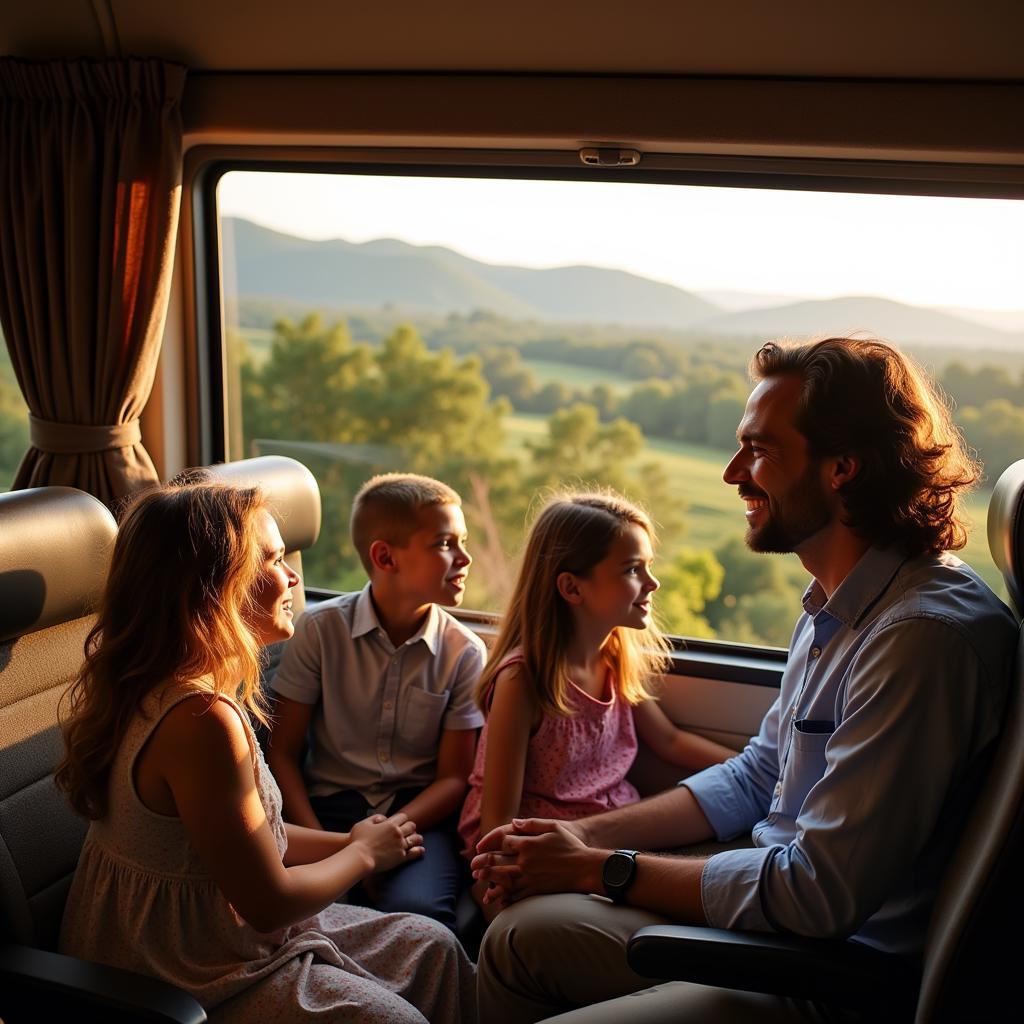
x=175 y=610
x=572 y=534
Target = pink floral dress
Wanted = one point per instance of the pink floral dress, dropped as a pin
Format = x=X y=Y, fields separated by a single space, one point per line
x=575 y=766
x=142 y=899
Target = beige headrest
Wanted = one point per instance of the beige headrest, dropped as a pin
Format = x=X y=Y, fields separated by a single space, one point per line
x=1006 y=530
x=55 y=548
x=291 y=490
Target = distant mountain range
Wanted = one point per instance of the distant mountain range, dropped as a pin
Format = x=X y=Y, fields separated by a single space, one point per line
x=432 y=279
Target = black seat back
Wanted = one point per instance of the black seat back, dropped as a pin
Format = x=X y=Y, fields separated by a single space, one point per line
x=971 y=956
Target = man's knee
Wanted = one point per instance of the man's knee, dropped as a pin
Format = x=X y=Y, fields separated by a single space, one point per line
x=550 y=935
x=524 y=931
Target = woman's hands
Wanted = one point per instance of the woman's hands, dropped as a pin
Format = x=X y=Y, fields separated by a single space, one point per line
x=386 y=842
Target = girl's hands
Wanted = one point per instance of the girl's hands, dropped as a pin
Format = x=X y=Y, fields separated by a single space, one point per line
x=387 y=842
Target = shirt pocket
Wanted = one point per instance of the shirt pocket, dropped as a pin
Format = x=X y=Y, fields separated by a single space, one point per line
x=420 y=728
x=805 y=765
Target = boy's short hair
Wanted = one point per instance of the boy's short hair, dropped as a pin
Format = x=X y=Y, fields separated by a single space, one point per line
x=387 y=506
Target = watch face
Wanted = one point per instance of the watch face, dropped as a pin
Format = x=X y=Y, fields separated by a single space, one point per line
x=618 y=869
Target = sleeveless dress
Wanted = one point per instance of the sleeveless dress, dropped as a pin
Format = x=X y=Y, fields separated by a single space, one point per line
x=575 y=766
x=142 y=900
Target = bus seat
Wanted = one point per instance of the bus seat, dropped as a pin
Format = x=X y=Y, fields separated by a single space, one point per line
x=55 y=548
x=968 y=969
x=294 y=498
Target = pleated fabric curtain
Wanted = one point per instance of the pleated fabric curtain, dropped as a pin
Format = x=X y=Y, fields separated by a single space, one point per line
x=90 y=188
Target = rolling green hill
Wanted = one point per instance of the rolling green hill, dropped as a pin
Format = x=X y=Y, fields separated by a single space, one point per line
x=433 y=279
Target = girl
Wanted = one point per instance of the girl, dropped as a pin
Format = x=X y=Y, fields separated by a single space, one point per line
x=188 y=872
x=565 y=688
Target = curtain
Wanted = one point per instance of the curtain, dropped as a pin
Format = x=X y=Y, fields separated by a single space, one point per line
x=90 y=186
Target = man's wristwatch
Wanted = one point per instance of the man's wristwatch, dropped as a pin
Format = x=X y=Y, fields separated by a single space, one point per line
x=619 y=873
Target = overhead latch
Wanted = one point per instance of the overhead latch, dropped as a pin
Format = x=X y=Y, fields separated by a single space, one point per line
x=606 y=156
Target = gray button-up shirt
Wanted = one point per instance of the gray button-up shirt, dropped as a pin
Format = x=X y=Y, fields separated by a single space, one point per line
x=857 y=785
x=379 y=709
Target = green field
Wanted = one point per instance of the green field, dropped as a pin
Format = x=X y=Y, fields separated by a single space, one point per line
x=713 y=511
x=580 y=378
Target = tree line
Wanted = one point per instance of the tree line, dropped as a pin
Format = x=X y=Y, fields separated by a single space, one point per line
x=681 y=385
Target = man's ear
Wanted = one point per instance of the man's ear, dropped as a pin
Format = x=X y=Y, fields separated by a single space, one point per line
x=568 y=587
x=381 y=556
x=844 y=468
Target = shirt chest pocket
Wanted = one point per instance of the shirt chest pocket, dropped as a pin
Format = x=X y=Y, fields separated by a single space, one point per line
x=805 y=765
x=419 y=730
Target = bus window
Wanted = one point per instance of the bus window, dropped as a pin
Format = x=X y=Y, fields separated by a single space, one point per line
x=515 y=336
x=13 y=421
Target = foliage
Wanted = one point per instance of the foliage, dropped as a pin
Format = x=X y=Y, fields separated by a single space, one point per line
x=581 y=450
x=688 y=582
x=996 y=430
x=759 y=601
x=13 y=421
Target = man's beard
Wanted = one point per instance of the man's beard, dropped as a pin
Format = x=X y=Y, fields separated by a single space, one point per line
x=801 y=514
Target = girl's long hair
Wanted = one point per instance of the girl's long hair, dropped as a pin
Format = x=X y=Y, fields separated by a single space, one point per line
x=176 y=609
x=572 y=534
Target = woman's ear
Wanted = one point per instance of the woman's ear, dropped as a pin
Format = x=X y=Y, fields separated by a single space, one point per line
x=381 y=557
x=568 y=587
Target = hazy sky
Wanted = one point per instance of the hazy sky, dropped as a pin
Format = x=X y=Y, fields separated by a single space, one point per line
x=922 y=250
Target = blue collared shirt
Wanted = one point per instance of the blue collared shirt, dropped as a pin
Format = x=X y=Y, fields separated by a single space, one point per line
x=857 y=785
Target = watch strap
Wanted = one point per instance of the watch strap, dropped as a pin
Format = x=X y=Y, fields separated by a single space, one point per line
x=619 y=874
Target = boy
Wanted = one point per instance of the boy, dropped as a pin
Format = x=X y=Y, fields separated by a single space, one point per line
x=386 y=677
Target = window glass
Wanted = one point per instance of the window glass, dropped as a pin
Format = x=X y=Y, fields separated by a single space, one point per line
x=13 y=421
x=512 y=337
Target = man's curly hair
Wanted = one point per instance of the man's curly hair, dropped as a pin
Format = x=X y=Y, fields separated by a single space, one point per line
x=865 y=399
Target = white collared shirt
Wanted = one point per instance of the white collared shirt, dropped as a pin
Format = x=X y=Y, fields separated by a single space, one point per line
x=380 y=710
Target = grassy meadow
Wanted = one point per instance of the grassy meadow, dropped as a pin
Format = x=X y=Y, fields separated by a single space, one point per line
x=578 y=378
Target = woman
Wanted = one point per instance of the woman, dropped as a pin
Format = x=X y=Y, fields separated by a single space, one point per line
x=188 y=872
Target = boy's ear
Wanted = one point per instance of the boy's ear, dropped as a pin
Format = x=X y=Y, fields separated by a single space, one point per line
x=568 y=587
x=381 y=556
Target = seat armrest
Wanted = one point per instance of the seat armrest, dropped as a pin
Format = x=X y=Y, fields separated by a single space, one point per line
x=34 y=982
x=829 y=970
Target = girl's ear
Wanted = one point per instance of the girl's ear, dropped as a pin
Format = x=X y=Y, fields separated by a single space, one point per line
x=568 y=587
x=381 y=557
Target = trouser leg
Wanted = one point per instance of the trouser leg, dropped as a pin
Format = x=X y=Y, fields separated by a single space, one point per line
x=549 y=954
x=680 y=1002
x=564 y=957
x=428 y=886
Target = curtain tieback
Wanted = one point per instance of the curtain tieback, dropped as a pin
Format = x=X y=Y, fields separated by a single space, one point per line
x=78 y=438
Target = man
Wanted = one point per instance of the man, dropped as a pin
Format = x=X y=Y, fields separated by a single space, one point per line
x=855 y=788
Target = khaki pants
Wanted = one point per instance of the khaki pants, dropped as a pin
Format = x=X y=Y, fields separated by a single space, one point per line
x=566 y=954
